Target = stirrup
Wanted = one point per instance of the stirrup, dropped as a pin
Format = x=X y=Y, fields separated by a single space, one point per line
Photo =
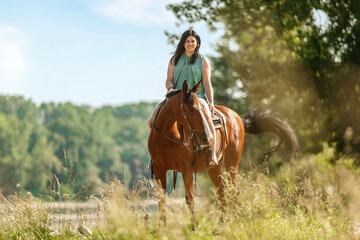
x=150 y=164
x=212 y=162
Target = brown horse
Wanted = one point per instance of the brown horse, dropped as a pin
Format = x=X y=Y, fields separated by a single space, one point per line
x=180 y=140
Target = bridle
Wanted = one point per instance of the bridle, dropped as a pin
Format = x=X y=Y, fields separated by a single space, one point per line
x=197 y=145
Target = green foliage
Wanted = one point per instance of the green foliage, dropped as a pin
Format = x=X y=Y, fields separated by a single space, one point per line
x=276 y=54
x=43 y=161
x=14 y=160
x=20 y=107
x=82 y=146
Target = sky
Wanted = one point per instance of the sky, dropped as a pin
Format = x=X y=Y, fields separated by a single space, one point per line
x=92 y=52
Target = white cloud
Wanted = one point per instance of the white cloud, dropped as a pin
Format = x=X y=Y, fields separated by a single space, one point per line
x=13 y=60
x=136 y=11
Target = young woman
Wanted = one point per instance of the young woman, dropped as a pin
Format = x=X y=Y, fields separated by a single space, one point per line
x=188 y=64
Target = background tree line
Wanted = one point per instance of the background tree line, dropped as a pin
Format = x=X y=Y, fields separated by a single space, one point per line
x=82 y=146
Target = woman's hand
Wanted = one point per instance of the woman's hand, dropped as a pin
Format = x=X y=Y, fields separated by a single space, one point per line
x=170 y=89
x=212 y=109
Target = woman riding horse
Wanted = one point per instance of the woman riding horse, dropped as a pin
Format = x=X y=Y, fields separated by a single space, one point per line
x=187 y=64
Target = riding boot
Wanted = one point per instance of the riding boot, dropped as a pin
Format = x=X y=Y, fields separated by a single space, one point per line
x=150 y=164
x=211 y=159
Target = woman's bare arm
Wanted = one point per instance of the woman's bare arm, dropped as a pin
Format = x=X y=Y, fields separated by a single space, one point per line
x=169 y=83
x=206 y=76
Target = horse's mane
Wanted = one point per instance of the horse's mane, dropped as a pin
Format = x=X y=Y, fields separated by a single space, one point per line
x=173 y=93
x=177 y=91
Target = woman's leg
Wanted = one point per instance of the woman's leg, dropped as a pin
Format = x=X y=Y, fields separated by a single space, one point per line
x=213 y=159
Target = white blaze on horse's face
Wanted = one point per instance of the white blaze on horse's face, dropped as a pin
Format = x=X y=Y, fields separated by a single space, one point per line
x=208 y=133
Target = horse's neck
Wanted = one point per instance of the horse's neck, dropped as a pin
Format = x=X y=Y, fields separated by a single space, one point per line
x=168 y=116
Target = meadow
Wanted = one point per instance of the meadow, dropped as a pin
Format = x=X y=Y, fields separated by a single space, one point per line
x=67 y=171
x=308 y=198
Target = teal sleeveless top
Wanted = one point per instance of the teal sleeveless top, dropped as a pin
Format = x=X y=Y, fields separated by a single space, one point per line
x=184 y=70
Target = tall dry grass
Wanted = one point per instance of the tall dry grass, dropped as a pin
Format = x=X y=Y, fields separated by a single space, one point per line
x=24 y=217
x=315 y=197
x=310 y=198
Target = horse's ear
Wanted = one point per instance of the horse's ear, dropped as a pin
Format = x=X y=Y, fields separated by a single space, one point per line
x=195 y=89
x=185 y=87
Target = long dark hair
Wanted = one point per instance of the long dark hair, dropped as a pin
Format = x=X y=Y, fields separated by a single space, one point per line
x=180 y=47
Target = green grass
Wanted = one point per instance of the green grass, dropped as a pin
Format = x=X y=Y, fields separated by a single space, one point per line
x=308 y=198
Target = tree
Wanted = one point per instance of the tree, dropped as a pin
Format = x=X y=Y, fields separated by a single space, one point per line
x=278 y=55
x=42 y=162
x=81 y=145
x=13 y=153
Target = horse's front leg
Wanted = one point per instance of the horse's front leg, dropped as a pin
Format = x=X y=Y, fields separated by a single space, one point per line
x=160 y=177
x=217 y=179
x=189 y=194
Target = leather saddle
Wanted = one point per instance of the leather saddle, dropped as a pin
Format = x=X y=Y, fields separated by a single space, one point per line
x=218 y=119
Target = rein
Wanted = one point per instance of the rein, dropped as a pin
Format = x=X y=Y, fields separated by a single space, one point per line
x=193 y=136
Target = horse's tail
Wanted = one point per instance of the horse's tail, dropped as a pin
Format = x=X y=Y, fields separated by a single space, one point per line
x=260 y=120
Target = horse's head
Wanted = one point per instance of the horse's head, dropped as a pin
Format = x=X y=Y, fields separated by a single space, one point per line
x=197 y=115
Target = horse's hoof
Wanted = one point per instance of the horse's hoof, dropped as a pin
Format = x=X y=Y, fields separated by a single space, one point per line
x=163 y=221
x=216 y=231
x=223 y=219
x=194 y=224
x=146 y=217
